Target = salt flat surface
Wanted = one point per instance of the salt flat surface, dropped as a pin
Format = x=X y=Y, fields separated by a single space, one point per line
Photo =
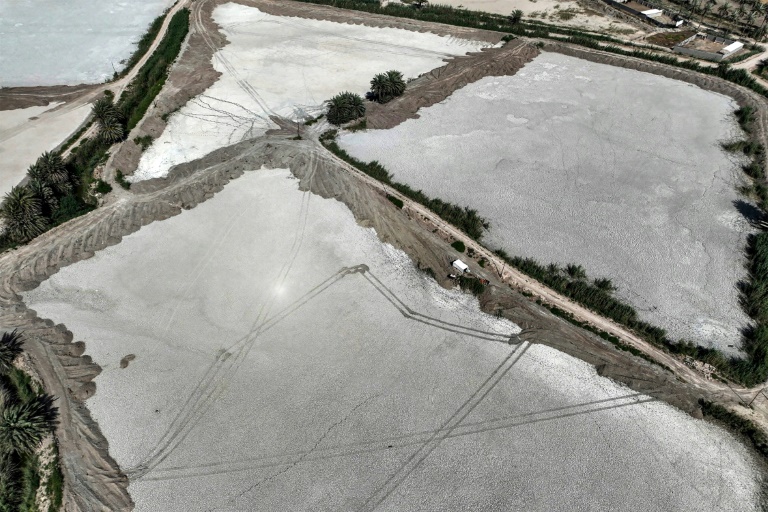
x=50 y=42
x=21 y=145
x=614 y=169
x=285 y=66
x=240 y=398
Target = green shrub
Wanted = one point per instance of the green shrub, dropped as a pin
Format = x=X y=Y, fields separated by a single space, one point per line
x=102 y=187
x=397 y=202
x=345 y=107
x=144 y=141
x=120 y=179
x=471 y=284
x=71 y=207
x=459 y=246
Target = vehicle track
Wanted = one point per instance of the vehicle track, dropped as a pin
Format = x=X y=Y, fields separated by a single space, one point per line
x=395 y=442
x=417 y=457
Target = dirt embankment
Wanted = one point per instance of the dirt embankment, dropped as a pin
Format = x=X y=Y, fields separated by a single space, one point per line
x=190 y=76
x=438 y=84
x=12 y=98
x=194 y=73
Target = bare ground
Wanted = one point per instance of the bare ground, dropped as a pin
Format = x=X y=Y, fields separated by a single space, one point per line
x=12 y=98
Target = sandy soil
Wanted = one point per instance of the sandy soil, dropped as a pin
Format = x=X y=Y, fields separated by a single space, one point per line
x=621 y=191
x=21 y=142
x=13 y=98
x=74 y=42
x=547 y=10
x=331 y=378
x=267 y=69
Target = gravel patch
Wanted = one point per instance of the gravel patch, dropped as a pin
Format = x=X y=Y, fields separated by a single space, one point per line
x=615 y=169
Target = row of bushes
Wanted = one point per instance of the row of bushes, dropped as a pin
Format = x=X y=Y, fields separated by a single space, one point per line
x=743 y=426
x=143 y=45
x=150 y=79
x=59 y=191
x=724 y=70
x=27 y=415
x=47 y=199
x=466 y=219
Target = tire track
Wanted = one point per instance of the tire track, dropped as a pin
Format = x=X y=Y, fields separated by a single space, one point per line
x=415 y=460
x=210 y=387
x=396 y=442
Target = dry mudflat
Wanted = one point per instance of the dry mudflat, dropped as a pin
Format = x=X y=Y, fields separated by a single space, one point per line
x=21 y=142
x=265 y=352
x=286 y=66
x=615 y=169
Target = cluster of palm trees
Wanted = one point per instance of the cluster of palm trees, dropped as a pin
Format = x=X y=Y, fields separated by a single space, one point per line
x=109 y=119
x=345 y=107
x=24 y=422
x=387 y=86
x=348 y=106
x=47 y=198
x=29 y=209
x=748 y=15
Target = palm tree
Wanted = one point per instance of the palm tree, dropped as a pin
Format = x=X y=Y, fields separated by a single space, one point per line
x=605 y=284
x=24 y=424
x=396 y=82
x=109 y=119
x=386 y=86
x=51 y=171
x=48 y=200
x=576 y=271
x=22 y=213
x=345 y=107
x=10 y=348
x=515 y=17
x=553 y=268
x=380 y=88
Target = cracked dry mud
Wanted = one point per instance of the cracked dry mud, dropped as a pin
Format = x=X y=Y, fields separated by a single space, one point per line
x=95 y=482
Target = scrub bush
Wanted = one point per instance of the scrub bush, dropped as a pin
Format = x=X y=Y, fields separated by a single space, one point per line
x=466 y=219
x=458 y=245
x=397 y=202
x=387 y=86
x=345 y=107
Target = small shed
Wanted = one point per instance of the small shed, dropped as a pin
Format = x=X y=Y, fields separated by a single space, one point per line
x=652 y=13
x=735 y=46
x=460 y=265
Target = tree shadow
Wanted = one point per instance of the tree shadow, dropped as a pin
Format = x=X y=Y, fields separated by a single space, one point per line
x=752 y=213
